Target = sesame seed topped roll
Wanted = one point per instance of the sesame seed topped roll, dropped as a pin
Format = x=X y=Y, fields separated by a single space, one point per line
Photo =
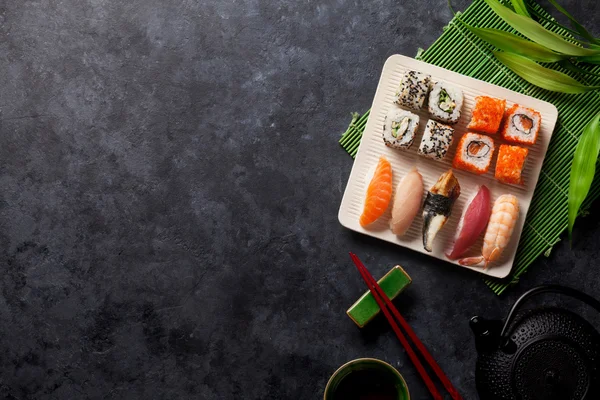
x=436 y=140
x=413 y=90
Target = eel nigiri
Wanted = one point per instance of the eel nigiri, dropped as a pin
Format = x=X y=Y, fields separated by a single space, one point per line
x=472 y=224
x=438 y=206
x=502 y=223
x=407 y=202
x=379 y=193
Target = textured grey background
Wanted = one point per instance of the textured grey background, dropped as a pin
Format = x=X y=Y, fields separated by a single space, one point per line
x=169 y=184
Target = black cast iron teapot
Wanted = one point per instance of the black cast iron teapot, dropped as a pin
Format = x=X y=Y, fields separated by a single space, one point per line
x=546 y=353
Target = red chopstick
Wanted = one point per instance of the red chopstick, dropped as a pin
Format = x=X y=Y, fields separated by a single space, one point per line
x=384 y=303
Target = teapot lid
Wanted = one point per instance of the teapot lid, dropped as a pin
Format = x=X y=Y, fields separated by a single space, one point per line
x=551 y=370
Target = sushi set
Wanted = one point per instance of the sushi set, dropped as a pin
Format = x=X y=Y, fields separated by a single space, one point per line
x=447 y=165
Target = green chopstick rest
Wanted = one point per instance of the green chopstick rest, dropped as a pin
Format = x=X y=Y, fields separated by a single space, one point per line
x=366 y=308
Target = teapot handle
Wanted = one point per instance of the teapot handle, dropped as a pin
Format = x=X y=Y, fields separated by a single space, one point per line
x=546 y=289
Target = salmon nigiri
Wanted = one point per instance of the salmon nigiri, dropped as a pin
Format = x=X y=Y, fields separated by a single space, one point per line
x=379 y=193
x=472 y=223
x=407 y=202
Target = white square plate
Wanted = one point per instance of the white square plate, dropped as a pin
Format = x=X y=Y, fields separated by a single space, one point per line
x=372 y=147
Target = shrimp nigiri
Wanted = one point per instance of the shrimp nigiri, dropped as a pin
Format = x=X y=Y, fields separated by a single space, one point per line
x=500 y=228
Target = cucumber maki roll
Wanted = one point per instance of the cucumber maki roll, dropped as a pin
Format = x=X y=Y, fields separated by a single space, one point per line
x=445 y=102
x=399 y=128
x=413 y=90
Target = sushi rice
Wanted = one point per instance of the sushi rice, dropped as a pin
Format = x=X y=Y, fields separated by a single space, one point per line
x=399 y=128
x=445 y=102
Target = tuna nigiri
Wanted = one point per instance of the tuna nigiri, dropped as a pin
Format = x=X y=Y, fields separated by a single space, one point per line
x=407 y=202
x=438 y=206
x=379 y=193
x=472 y=223
x=497 y=235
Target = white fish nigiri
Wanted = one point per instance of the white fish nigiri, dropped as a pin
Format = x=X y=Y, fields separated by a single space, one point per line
x=407 y=202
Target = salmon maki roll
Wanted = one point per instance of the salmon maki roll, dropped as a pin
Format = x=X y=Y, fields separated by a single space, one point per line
x=379 y=193
x=487 y=114
x=509 y=166
x=521 y=125
x=474 y=153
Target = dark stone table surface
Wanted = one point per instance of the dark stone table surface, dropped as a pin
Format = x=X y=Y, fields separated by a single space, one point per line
x=169 y=184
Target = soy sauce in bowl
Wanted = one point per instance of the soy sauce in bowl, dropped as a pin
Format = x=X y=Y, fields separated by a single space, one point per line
x=367 y=385
x=366 y=379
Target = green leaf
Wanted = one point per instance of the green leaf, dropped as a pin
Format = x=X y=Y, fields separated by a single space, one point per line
x=590 y=59
x=575 y=68
x=520 y=7
x=556 y=24
x=583 y=168
x=580 y=28
x=543 y=77
x=515 y=44
x=536 y=32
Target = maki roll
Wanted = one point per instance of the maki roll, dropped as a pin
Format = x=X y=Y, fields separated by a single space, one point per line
x=445 y=102
x=413 y=90
x=436 y=140
x=399 y=128
x=521 y=125
x=487 y=114
x=474 y=153
x=509 y=166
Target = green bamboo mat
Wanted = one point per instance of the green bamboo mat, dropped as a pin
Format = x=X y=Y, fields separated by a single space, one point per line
x=459 y=50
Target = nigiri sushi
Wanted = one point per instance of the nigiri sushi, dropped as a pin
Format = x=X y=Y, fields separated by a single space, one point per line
x=502 y=223
x=407 y=202
x=472 y=223
x=379 y=193
x=438 y=206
